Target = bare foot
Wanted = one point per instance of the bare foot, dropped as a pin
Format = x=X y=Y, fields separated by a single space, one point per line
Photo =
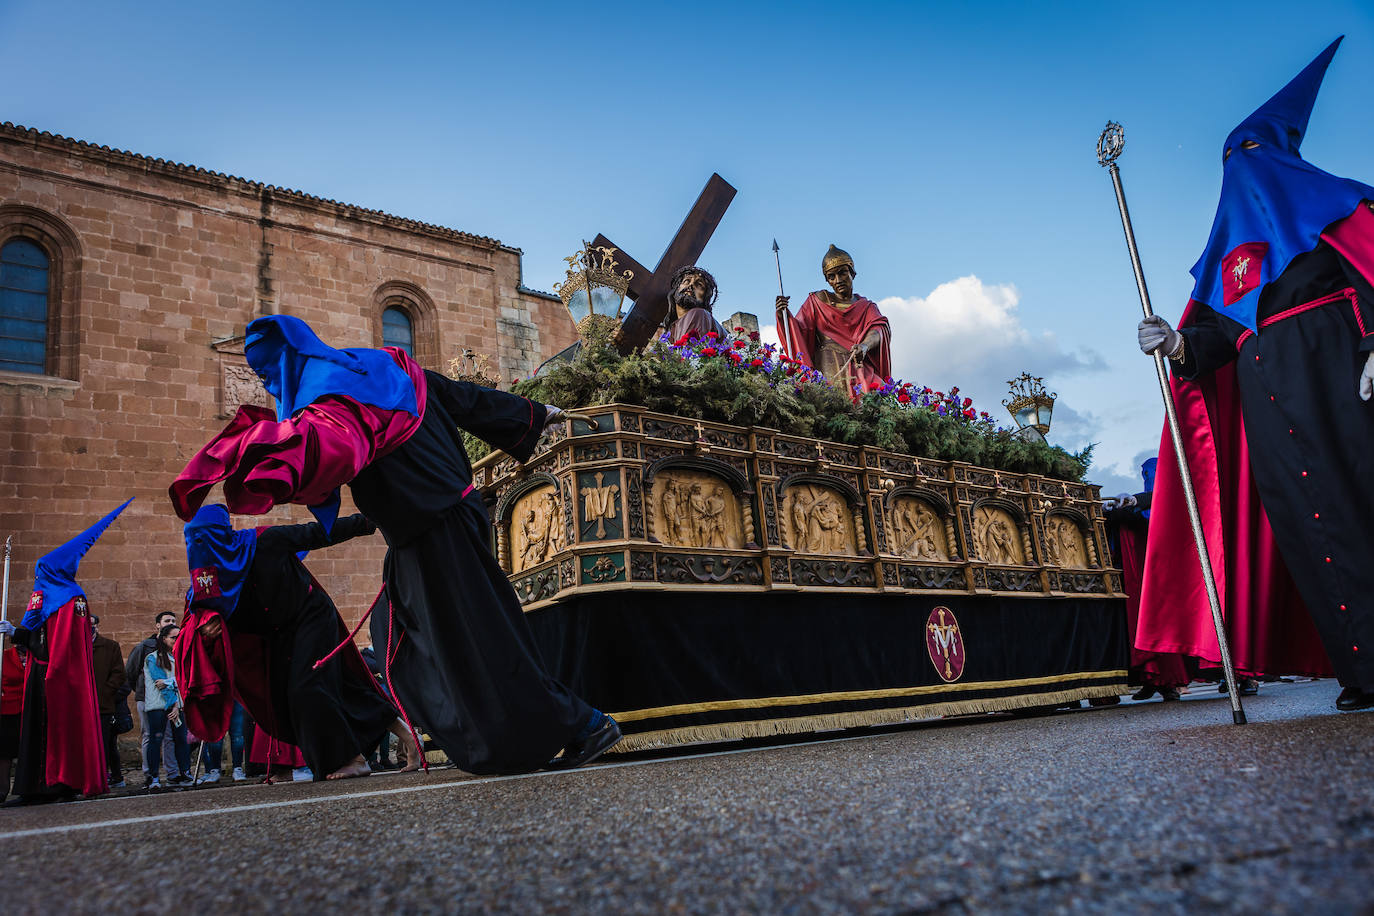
x=413 y=753
x=355 y=767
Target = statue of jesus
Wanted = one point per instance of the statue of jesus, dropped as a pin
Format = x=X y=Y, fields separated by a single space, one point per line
x=841 y=334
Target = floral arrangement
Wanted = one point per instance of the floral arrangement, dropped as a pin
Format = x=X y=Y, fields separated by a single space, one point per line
x=740 y=380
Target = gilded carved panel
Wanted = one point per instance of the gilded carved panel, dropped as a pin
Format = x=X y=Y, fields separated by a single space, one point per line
x=918 y=531
x=995 y=537
x=695 y=509
x=817 y=520
x=1064 y=544
x=536 y=531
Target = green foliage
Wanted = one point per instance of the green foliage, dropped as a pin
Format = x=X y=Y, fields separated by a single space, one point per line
x=753 y=387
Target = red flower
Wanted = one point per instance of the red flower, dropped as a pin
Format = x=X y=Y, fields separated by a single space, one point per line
x=708 y=351
x=712 y=334
x=970 y=413
x=681 y=341
x=925 y=391
x=734 y=357
x=939 y=394
x=874 y=386
x=968 y=402
x=953 y=391
x=983 y=414
x=791 y=370
x=740 y=330
x=903 y=398
x=753 y=335
x=756 y=363
x=739 y=345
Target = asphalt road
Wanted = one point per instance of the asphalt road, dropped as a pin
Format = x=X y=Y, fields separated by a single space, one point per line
x=1151 y=807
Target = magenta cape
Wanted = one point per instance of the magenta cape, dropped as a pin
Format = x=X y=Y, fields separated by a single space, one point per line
x=75 y=747
x=1267 y=624
x=1158 y=669
x=263 y=462
x=847 y=327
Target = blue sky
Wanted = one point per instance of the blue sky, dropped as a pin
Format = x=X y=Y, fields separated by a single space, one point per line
x=947 y=146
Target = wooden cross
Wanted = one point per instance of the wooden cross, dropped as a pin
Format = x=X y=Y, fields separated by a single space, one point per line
x=649 y=289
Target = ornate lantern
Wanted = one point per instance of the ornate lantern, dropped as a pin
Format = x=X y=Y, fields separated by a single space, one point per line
x=594 y=292
x=1030 y=406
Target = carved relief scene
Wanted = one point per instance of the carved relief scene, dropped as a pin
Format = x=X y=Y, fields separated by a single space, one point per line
x=817 y=519
x=695 y=509
x=917 y=531
x=1064 y=543
x=536 y=530
x=996 y=537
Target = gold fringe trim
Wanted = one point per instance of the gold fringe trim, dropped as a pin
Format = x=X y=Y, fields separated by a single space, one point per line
x=765 y=728
x=635 y=715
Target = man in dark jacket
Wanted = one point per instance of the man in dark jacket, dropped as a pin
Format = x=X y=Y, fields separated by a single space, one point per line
x=133 y=673
x=107 y=660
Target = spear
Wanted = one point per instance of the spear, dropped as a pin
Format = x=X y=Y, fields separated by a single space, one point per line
x=1109 y=146
x=785 y=324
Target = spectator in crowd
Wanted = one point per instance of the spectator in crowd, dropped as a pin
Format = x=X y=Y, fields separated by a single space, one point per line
x=107 y=662
x=133 y=671
x=162 y=704
x=11 y=702
x=214 y=750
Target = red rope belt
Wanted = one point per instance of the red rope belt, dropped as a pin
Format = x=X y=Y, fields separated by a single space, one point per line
x=1347 y=294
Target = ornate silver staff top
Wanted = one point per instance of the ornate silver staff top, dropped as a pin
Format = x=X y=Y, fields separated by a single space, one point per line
x=1110 y=143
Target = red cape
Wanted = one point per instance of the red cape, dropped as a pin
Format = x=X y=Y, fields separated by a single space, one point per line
x=263 y=462
x=76 y=755
x=212 y=673
x=846 y=327
x=1268 y=626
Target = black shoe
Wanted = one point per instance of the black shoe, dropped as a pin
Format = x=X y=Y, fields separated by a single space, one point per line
x=1353 y=698
x=589 y=748
x=1169 y=693
x=1248 y=686
x=1144 y=693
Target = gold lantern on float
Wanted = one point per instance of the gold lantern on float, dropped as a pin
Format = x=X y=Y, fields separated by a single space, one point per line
x=1030 y=406
x=594 y=292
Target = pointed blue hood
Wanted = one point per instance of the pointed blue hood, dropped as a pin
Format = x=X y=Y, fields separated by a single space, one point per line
x=54 y=580
x=218 y=556
x=297 y=368
x=1274 y=205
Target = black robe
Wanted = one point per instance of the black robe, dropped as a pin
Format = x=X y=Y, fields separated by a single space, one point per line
x=1311 y=441
x=462 y=663
x=30 y=768
x=335 y=712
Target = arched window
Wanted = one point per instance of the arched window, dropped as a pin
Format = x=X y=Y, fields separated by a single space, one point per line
x=24 y=285
x=396 y=330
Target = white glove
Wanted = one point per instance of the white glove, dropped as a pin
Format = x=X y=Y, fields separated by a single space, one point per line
x=1119 y=501
x=1154 y=334
x=1367 y=378
x=7 y=628
x=552 y=415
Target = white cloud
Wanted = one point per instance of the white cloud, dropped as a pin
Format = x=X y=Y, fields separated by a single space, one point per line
x=970 y=334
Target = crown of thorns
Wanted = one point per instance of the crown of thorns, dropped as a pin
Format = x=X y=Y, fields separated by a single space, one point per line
x=712 y=291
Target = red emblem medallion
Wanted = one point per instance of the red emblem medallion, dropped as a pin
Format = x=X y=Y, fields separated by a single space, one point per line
x=1240 y=270
x=36 y=601
x=204 y=583
x=945 y=644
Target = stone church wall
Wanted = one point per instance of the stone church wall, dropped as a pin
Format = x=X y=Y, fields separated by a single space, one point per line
x=157 y=267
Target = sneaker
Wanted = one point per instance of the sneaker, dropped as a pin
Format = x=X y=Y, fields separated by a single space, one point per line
x=154 y=785
x=239 y=775
x=208 y=777
x=302 y=774
x=118 y=785
x=181 y=782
